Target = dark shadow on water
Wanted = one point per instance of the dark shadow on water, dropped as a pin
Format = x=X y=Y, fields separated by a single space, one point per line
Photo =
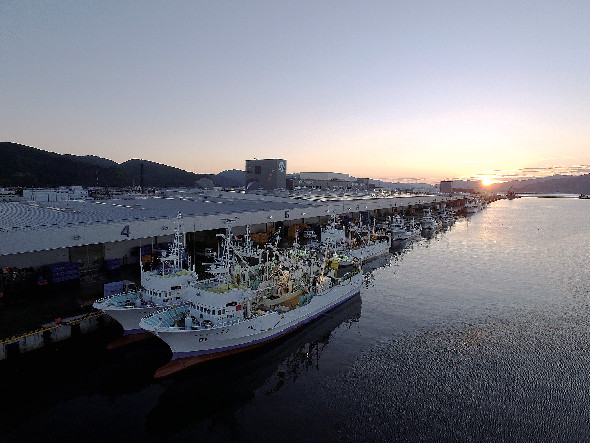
x=80 y=378
x=43 y=381
x=208 y=395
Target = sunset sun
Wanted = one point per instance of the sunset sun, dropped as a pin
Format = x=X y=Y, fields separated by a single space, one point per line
x=487 y=180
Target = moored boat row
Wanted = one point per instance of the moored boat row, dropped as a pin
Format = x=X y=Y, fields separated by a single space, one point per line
x=255 y=295
x=245 y=304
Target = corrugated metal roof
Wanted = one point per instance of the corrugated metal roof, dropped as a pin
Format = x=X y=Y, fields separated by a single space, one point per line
x=30 y=226
x=31 y=215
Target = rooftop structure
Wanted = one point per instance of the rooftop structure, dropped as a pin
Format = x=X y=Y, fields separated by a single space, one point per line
x=328 y=180
x=266 y=174
x=53 y=195
x=326 y=176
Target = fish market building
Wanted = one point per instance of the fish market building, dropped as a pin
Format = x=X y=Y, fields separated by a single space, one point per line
x=90 y=232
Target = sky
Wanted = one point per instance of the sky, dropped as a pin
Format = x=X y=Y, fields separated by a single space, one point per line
x=391 y=90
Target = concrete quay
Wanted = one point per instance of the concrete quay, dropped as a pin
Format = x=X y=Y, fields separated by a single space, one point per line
x=50 y=333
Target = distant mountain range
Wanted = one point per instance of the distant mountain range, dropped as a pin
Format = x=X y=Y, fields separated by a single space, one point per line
x=24 y=166
x=556 y=184
x=399 y=186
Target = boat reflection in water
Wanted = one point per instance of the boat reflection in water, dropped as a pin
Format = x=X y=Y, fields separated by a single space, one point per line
x=380 y=262
x=206 y=395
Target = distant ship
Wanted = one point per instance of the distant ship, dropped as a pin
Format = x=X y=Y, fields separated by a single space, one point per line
x=511 y=195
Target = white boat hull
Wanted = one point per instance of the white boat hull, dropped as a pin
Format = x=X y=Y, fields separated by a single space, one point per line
x=129 y=317
x=123 y=309
x=370 y=252
x=400 y=236
x=252 y=332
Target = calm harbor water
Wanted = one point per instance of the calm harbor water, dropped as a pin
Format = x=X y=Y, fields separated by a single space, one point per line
x=478 y=333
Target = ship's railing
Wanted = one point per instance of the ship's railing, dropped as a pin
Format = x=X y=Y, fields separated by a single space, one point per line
x=214 y=285
x=166 y=317
x=173 y=272
x=118 y=299
x=224 y=324
x=231 y=322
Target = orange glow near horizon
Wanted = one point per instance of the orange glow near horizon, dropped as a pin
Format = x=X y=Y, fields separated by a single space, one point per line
x=488 y=180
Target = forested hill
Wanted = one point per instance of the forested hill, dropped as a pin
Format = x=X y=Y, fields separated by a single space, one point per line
x=24 y=166
x=160 y=176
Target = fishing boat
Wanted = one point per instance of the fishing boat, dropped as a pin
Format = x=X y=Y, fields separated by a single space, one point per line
x=361 y=242
x=414 y=229
x=309 y=233
x=160 y=287
x=428 y=221
x=471 y=207
x=446 y=217
x=511 y=195
x=397 y=230
x=289 y=289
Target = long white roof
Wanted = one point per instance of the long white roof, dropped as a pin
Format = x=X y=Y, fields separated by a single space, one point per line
x=30 y=215
x=33 y=226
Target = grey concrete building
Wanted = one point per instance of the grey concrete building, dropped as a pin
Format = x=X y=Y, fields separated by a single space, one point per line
x=446 y=186
x=328 y=180
x=266 y=174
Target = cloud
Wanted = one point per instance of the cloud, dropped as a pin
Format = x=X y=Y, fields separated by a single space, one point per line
x=500 y=175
